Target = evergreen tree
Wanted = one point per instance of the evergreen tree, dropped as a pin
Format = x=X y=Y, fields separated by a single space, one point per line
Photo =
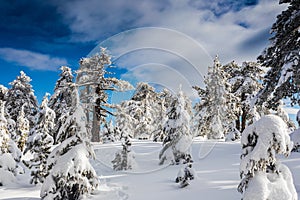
x=149 y=111
x=108 y=133
x=124 y=159
x=60 y=102
x=244 y=82
x=3 y=91
x=40 y=142
x=21 y=95
x=176 y=145
x=164 y=103
x=94 y=84
x=282 y=58
x=125 y=118
x=71 y=174
x=10 y=155
x=215 y=113
x=263 y=176
x=22 y=130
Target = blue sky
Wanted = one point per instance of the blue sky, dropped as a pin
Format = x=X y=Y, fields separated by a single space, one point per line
x=184 y=35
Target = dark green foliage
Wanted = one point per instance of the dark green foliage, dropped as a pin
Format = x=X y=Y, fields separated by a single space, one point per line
x=282 y=58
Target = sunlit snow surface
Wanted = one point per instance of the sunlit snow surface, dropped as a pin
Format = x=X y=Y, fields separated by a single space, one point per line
x=216 y=165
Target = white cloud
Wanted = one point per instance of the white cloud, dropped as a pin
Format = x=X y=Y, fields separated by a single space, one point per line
x=32 y=60
x=203 y=34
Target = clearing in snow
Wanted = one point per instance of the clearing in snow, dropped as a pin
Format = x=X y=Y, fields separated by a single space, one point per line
x=216 y=165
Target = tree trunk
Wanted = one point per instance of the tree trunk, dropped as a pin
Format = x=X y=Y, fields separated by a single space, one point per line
x=95 y=128
x=244 y=112
x=244 y=119
x=238 y=123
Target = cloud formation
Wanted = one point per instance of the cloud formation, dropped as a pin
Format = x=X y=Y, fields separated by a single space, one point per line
x=32 y=60
x=221 y=26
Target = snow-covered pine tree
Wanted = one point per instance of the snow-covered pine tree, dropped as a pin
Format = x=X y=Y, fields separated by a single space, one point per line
x=125 y=118
x=244 y=82
x=149 y=110
x=94 y=82
x=22 y=130
x=263 y=177
x=176 y=145
x=21 y=94
x=164 y=102
x=3 y=91
x=40 y=142
x=108 y=132
x=215 y=113
x=124 y=159
x=60 y=102
x=282 y=58
x=71 y=174
x=9 y=153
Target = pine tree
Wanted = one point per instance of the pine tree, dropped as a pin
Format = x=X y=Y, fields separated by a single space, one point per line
x=263 y=176
x=10 y=155
x=149 y=111
x=282 y=58
x=176 y=145
x=3 y=91
x=94 y=84
x=124 y=159
x=21 y=94
x=125 y=118
x=244 y=82
x=71 y=174
x=60 y=102
x=22 y=130
x=40 y=143
x=108 y=133
x=215 y=113
x=164 y=103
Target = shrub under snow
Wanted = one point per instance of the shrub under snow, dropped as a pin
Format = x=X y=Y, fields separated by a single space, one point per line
x=263 y=176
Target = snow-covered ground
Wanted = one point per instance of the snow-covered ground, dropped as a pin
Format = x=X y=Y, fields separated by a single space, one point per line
x=216 y=165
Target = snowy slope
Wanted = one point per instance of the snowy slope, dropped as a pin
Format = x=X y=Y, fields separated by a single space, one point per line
x=216 y=165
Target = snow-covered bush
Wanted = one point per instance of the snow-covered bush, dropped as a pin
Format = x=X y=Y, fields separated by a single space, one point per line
x=185 y=175
x=176 y=145
x=71 y=174
x=263 y=176
x=124 y=159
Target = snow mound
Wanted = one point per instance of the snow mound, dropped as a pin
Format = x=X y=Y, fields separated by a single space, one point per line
x=271 y=186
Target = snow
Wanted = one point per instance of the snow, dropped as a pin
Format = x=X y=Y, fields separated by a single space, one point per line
x=217 y=174
x=295 y=137
x=271 y=186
